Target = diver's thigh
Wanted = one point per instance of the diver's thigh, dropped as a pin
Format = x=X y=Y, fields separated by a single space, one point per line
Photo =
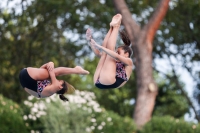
x=38 y=73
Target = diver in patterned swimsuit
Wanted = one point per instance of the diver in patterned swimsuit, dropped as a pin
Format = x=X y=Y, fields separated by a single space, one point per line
x=115 y=66
x=41 y=82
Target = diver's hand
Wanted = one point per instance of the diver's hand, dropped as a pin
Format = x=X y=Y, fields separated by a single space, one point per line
x=50 y=66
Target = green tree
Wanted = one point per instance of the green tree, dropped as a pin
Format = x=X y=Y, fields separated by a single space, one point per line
x=182 y=43
x=142 y=37
x=170 y=100
x=11 y=117
x=169 y=124
x=57 y=33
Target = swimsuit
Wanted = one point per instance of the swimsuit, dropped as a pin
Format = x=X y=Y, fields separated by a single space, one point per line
x=120 y=77
x=41 y=85
x=34 y=85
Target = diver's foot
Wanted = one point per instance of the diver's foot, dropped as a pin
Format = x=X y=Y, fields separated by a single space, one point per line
x=81 y=71
x=116 y=21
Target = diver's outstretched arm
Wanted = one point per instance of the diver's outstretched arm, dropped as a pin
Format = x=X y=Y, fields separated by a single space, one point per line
x=113 y=54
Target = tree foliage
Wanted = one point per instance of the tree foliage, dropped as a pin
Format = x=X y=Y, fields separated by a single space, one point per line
x=169 y=98
x=11 y=117
x=178 y=38
x=169 y=124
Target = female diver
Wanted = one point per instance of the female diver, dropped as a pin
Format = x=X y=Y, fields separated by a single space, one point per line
x=41 y=82
x=115 y=66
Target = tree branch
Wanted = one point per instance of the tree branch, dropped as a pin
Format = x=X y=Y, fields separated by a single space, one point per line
x=156 y=19
x=127 y=19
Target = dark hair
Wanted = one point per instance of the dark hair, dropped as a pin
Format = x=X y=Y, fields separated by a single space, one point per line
x=62 y=91
x=126 y=47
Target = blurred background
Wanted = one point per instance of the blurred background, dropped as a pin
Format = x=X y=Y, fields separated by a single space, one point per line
x=33 y=32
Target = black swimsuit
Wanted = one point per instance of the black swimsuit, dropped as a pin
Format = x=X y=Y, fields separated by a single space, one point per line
x=120 y=77
x=27 y=81
x=30 y=83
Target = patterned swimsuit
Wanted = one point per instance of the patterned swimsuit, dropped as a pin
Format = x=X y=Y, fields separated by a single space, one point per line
x=120 y=77
x=41 y=85
x=120 y=71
